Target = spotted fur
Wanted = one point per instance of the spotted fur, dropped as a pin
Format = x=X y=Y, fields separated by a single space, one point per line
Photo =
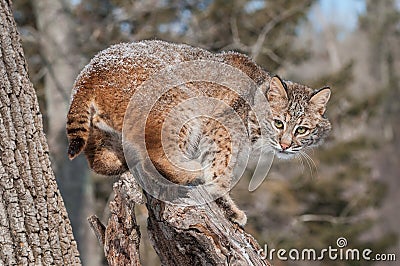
x=103 y=89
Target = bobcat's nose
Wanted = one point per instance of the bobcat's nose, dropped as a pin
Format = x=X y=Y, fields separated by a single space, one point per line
x=284 y=146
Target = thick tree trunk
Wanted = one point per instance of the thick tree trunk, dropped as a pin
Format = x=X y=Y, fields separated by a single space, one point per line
x=62 y=58
x=34 y=225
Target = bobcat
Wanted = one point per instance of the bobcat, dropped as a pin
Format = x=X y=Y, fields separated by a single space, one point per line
x=104 y=88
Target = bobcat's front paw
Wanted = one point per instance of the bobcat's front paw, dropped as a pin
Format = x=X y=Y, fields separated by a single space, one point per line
x=239 y=217
x=232 y=212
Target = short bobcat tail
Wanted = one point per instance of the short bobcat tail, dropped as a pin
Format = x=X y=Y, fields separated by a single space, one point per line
x=78 y=122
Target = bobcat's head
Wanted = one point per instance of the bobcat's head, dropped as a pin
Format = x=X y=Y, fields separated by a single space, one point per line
x=296 y=120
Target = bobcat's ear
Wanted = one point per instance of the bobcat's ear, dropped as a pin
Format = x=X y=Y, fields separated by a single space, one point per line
x=276 y=90
x=320 y=99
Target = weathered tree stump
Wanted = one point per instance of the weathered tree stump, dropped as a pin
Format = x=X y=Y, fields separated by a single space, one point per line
x=181 y=235
x=120 y=238
x=199 y=235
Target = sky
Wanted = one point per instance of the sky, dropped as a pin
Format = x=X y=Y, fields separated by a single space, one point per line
x=343 y=13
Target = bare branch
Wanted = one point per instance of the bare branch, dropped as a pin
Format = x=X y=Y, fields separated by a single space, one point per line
x=327 y=218
x=98 y=228
x=272 y=55
x=257 y=47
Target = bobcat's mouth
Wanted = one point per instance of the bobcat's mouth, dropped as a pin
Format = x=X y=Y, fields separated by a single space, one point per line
x=284 y=154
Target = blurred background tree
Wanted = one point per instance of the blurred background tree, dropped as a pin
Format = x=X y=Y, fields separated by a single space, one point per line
x=347 y=188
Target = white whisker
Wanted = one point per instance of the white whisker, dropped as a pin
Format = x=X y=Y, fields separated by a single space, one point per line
x=311 y=164
x=300 y=159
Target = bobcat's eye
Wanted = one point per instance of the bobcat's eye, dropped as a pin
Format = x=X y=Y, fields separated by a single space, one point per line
x=301 y=130
x=278 y=124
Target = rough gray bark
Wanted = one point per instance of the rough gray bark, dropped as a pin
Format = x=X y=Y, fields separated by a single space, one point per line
x=62 y=60
x=199 y=235
x=120 y=238
x=34 y=225
x=195 y=235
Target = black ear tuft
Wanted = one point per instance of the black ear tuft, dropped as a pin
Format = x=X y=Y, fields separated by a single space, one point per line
x=277 y=90
x=283 y=82
x=318 y=90
x=320 y=98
